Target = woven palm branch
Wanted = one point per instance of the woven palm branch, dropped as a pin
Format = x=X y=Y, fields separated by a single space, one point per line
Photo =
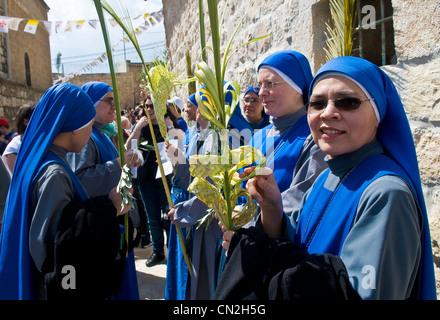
x=160 y=83
x=225 y=177
x=221 y=197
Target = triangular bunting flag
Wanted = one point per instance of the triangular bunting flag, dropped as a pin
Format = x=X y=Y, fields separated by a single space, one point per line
x=160 y=14
x=93 y=23
x=48 y=25
x=113 y=22
x=31 y=26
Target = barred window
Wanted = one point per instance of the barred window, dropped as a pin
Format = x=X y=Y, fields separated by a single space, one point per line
x=373 y=38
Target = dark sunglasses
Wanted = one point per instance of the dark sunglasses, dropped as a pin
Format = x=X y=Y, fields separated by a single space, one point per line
x=149 y=106
x=343 y=104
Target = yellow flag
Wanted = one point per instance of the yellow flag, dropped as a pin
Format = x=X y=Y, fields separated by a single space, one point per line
x=31 y=26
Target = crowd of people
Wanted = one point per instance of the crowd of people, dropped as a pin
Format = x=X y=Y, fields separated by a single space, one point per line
x=340 y=208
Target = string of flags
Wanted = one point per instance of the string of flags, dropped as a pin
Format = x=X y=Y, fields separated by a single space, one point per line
x=93 y=64
x=12 y=23
x=148 y=21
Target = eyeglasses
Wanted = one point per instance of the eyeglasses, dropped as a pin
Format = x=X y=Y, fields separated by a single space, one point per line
x=111 y=102
x=149 y=106
x=343 y=104
x=269 y=84
x=253 y=100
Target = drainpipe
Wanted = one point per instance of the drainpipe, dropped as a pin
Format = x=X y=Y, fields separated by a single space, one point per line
x=8 y=56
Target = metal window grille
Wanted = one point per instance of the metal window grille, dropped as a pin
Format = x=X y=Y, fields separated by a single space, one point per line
x=383 y=24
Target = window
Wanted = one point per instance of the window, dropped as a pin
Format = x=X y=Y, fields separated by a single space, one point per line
x=27 y=67
x=373 y=38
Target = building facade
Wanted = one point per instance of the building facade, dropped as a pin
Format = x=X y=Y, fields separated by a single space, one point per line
x=25 y=67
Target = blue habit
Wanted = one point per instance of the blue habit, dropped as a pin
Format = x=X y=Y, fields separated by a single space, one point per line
x=395 y=136
x=97 y=90
x=63 y=108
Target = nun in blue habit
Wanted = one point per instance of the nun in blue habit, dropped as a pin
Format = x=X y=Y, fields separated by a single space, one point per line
x=44 y=196
x=97 y=167
x=368 y=208
x=384 y=226
x=201 y=244
x=265 y=118
x=286 y=143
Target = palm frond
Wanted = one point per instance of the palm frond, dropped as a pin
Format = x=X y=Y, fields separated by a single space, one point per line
x=339 y=37
x=125 y=24
x=127 y=27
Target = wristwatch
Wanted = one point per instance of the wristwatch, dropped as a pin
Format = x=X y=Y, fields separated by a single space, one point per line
x=170 y=127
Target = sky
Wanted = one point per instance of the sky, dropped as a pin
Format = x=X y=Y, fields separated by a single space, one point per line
x=81 y=46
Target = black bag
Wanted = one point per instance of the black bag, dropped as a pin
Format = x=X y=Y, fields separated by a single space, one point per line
x=262 y=268
x=88 y=257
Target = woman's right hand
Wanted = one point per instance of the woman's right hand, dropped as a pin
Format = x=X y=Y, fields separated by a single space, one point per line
x=116 y=198
x=264 y=189
x=227 y=237
x=171 y=214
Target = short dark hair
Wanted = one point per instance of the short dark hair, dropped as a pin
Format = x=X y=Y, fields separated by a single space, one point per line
x=25 y=112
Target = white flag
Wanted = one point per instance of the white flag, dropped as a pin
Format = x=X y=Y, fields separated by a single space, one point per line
x=14 y=23
x=113 y=22
x=93 y=23
x=4 y=24
x=69 y=26
x=31 y=26
x=58 y=26
x=48 y=25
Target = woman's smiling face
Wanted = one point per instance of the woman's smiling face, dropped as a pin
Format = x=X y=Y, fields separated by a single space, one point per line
x=282 y=99
x=339 y=132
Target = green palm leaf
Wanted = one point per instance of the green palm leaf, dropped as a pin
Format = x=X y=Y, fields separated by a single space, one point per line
x=339 y=37
x=127 y=27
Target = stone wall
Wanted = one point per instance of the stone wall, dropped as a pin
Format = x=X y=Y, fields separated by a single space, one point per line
x=300 y=25
x=128 y=85
x=14 y=95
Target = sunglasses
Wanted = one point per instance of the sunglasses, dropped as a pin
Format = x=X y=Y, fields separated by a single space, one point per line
x=149 y=106
x=343 y=104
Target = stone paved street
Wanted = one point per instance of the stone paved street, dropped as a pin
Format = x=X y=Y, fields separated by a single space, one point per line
x=151 y=280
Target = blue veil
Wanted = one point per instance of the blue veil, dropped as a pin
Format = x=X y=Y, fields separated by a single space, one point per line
x=287 y=63
x=395 y=135
x=63 y=108
x=96 y=91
